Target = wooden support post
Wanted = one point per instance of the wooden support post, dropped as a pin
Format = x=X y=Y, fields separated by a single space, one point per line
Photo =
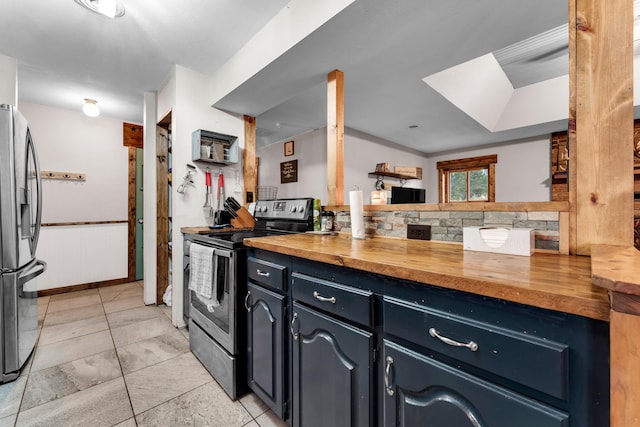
x=250 y=165
x=617 y=268
x=335 y=137
x=601 y=123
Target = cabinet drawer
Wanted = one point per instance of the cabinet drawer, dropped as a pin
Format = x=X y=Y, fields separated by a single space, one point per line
x=344 y=301
x=417 y=388
x=534 y=362
x=266 y=273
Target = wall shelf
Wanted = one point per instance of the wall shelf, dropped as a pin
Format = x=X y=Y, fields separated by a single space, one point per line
x=213 y=147
x=393 y=175
x=381 y=175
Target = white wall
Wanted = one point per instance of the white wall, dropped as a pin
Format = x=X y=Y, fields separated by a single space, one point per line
x=68 y=141
x=361 y=153
x=190 y=112
x=310 y=149
x=523 y=171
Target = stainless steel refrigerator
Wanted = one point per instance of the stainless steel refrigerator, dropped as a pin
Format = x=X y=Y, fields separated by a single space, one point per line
x=20 y=214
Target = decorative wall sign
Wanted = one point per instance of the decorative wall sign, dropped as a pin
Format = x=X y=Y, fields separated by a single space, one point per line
x=288 y=148
x=289 y=171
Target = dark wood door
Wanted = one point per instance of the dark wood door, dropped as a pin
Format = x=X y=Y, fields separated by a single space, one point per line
x=421 y=391
x=266 y=362
x=332 y=371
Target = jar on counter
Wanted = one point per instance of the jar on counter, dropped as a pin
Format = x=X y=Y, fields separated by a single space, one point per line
x=327 y=221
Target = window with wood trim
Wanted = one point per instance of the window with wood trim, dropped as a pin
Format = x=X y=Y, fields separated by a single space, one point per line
x=467 y=180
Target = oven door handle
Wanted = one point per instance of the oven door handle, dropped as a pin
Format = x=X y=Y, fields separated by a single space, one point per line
x=246 y=302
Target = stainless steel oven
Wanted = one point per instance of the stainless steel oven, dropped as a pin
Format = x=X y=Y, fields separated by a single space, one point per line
x=217 y=331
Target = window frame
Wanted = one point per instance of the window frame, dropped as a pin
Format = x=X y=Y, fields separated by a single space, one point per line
x=466 y=165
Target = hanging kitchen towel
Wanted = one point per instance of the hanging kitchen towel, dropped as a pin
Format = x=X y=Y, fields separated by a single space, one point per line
x=202 y=278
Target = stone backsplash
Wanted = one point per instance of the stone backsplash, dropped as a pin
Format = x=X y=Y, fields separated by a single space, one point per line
x=447 y=225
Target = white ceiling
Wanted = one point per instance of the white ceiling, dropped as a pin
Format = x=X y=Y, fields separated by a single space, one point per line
x=67 y=53
x=384 y=47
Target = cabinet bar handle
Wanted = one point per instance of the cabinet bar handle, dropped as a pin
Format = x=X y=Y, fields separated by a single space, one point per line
x=471 y=345
x=262 y=273
x=319 y=297
x=293 y=321
x=246 y=301
x=387 y=375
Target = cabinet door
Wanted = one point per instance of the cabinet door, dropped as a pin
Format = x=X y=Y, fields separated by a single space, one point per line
x=265 y=355
x=420 y=391
x=332 y=371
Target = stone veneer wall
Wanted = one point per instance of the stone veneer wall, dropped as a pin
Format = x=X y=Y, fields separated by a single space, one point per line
x=447 y=225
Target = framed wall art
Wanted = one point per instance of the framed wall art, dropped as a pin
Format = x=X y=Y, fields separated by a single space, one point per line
x=289 y=171
x=288 y=148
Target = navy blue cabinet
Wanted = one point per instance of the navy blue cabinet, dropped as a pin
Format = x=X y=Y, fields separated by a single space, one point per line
x=332 y=371
x=266 y=304
x=265 y=356
x=422 y=391
x=353 y=348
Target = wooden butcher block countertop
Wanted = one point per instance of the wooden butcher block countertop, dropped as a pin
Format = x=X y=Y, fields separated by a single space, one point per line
x=555 y=282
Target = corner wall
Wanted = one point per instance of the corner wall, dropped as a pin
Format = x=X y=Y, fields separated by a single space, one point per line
x=191 y=111
x=68 y=141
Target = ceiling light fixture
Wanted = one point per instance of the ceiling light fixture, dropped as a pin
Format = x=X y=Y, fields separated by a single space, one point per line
x=90 y=107
x=108 y=8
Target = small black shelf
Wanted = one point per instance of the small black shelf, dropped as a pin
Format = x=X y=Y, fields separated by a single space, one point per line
x=393 y=175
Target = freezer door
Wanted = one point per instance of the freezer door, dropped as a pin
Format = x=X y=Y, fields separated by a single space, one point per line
x=20 y=191
x=19 y=317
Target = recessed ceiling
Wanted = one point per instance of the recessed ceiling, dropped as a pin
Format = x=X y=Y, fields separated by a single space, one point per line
x=385 y=49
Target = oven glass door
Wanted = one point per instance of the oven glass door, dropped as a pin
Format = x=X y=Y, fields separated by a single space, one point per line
x=218 y=320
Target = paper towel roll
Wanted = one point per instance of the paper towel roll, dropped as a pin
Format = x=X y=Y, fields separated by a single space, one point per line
x=357 y=218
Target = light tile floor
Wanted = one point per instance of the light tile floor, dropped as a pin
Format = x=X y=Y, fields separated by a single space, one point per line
x=103 y=358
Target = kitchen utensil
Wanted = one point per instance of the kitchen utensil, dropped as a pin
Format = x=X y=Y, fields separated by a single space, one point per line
x=233 y=203
x=207 y=209
x=220 y=198
x=241 y=218
x=230 y=209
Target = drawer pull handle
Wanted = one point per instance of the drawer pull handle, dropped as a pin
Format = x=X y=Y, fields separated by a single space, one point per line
x=387 y=376
x=262 y=273
x=319 y=297
x=293 y=322
x=471 y=345
x=246 y=302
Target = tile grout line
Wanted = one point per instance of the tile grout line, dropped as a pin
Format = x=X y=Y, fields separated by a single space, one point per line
x=115 y=349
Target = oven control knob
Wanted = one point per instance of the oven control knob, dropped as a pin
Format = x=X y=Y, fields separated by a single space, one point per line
x=263 y=209
x=300 y=208
x=293 y=208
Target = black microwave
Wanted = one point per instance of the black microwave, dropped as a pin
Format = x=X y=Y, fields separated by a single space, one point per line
x=401 y=195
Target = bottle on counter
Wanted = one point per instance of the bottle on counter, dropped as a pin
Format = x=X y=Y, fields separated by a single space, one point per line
x=327 y=221
x=316 y=215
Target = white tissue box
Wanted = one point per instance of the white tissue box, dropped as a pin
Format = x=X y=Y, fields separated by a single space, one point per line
x=513 y=241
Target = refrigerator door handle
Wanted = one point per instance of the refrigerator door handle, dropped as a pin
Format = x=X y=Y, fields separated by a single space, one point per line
x=36 y=230
x=36 y=268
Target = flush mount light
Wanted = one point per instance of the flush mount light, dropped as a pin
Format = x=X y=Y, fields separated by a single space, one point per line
x=90 y=107
x=109 y=8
